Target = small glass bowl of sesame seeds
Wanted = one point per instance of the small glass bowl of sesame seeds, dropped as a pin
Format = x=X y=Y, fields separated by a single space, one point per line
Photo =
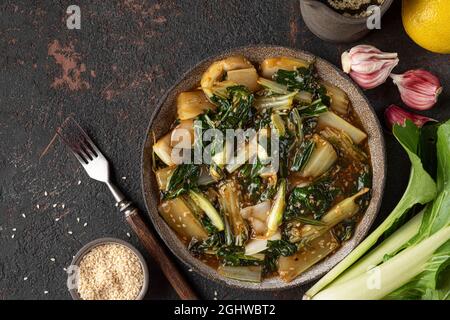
x=108 y=269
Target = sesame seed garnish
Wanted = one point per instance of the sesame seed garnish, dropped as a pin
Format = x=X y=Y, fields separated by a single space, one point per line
x=45 y=292
x=52 y=259
x=79 y=182
x=124 y=178
x=23 y=215
x=85 y=224
x=45 y=193
x=54 y=205
x=128 y=235
x=37 y=206
x=69 y=232
x=63 y=206
x=57 y=219
x=78 y=220
x=14 y=229
x=25 y=278
x=12 y=236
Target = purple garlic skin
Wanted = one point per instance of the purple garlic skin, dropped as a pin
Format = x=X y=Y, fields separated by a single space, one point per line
x=396 y=115
x=368 y=66
x=418 y=88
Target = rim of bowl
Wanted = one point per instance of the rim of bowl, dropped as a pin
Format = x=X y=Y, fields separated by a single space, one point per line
x=210 y=273
x=102 y=241
x=353 y=20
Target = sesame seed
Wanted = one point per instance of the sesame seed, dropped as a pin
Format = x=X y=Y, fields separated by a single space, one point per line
x=215 y=298
x=25 y=278
x=79 y=182
x=14 y=229
x=215 y=292
x=37 y=206
x=57 y=219
x=12 y=236
x=69 y=232
x=63 y=206
x=85 y=224
x=78 y=220
x=54 y=205
x=23 y=215
x=52 y=259
x=124 y=178
x=45 y=193
x=190 y=270
x=45 y=292
x=128 y=235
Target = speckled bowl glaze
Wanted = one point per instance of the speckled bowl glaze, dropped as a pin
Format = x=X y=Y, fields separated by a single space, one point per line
x=165 y=114
x=102 y=241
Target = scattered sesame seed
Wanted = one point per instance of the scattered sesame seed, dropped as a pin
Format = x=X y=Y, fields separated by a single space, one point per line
x=79 y=182
x=12 y=236
x=85 y=224
x=63 y=206
x=45 y=193
x=23 y=215
x=37 y=206
x=69 y=232
x=78 y=220
x=25 y=278
x=190 y=270
x=65 y=269
x=54 y=205
x=45 y=292
x=52 y=259
x=128 y=235
x=57 y=219
x=14 y=229
x=215 y=292
x=215 y=298
x=124 y=178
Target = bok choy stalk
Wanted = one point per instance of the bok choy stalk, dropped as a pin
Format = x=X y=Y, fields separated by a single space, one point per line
x=280 y=104
x=421 y=189
x=345 y=209
x=208 y=208
x=236 y=230
x=275 y=217
x=395 y=272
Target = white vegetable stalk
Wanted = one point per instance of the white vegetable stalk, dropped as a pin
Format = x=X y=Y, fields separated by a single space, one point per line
x=389 y=276
x=389 y=246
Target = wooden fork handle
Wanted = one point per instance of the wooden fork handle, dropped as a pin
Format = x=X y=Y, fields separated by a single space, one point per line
x=170 y=270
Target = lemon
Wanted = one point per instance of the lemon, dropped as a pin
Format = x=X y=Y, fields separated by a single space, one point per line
x=427 y=22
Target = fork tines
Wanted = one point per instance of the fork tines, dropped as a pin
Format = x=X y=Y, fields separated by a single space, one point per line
x=77 y=140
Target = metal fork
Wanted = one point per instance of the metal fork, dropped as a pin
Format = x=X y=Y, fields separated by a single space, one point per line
x=97 y=167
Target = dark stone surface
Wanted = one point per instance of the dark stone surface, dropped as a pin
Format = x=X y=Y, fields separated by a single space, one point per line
x=117 y=66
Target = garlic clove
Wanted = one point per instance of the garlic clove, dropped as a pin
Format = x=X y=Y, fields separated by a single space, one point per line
x=419 y=89
x=368 y=66
x=396 y=115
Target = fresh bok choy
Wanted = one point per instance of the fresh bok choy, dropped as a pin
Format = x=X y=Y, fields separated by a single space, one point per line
x=275 y=217
x=418 y=252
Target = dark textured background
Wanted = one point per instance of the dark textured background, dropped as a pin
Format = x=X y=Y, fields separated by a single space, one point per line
x=109 y=75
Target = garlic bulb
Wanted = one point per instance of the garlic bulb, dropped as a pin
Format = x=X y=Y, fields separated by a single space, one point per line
x=368 y=66
x=396 y=115
x=419 y=89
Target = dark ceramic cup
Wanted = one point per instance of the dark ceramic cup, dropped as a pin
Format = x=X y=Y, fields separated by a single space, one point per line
x=332 y=26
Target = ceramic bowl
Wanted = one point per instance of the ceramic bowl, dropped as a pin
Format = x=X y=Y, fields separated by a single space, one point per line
x=99 y=242
x=332 y=26
x=165 y=114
